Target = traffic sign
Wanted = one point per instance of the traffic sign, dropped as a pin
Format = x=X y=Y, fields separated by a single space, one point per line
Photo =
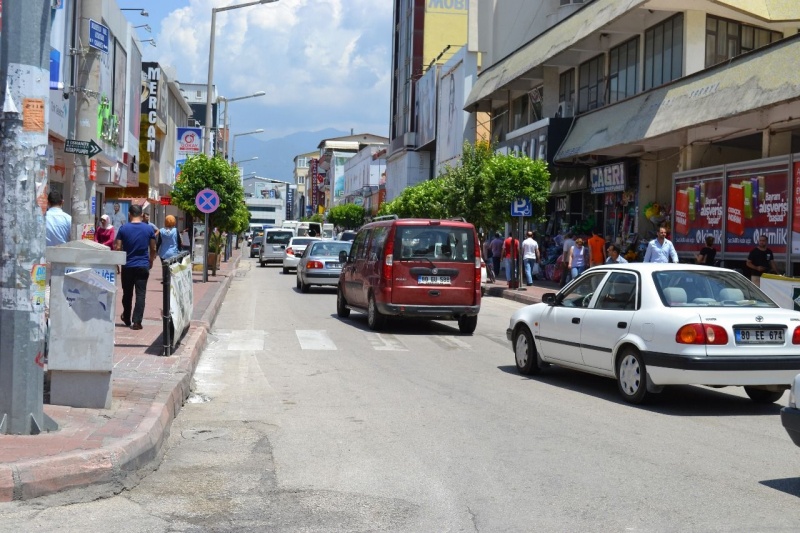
x=90 y=148
x=207 y=201
x=98 y=36
x=521 y=207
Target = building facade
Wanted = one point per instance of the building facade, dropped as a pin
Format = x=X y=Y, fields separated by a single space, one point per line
x=301 y=180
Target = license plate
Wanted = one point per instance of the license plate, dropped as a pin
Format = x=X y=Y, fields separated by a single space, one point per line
x=333 y=265
x=434 y=280
x=759 y=336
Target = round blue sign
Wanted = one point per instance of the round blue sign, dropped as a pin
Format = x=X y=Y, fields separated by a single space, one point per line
x=207 y=201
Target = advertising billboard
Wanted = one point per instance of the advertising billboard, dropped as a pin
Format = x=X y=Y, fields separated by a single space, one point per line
x=758 y=205
x=796 y=217
x=698 y=212
x=426 y=106
x=190 y=142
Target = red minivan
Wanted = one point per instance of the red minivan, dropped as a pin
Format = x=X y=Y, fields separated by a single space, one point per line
x=418 y=268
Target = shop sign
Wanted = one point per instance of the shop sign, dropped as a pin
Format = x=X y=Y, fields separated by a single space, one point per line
x=608 y=178
x=561 y=204
x=796 y=217
x=758 y=205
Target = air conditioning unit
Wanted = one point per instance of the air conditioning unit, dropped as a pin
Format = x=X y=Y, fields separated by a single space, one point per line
x=564 y=109
x=410 y=139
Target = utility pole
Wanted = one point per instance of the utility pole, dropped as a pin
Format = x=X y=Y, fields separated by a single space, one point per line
x=24 y=95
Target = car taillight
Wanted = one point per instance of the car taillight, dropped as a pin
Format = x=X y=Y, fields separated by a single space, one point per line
x=477 y=270
x=796 y=335
x=311 y=265
x=387 y=263
x=702 y=334
x=289 y=251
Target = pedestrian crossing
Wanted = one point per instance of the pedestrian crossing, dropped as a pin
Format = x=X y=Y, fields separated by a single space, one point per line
x=323 y=340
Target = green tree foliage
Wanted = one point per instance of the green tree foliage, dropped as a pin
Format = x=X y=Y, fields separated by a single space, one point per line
x=481 y=189
x=348 y=216
x=200 y=172
x=316 y=217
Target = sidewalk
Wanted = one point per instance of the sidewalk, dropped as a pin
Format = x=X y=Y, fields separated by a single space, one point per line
x=109 y=446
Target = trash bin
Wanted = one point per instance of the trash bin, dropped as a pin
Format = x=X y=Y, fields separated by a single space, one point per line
x=82 y=309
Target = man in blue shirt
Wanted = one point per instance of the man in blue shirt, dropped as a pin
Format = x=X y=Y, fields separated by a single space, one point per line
x=660 y=249
x=138 y=241
x=57 y=223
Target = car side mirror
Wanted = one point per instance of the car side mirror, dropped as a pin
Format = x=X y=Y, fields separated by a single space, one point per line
x=342 y=256
x=549 y=298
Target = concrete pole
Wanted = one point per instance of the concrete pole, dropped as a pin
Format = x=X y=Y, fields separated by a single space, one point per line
x=24 y=79
x=209 y=84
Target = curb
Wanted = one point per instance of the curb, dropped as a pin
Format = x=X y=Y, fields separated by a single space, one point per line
x=114 y=468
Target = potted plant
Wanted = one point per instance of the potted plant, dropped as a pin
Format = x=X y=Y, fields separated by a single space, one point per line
x=215 y=246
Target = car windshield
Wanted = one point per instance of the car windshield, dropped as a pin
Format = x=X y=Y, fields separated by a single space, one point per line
x=329 y=249
x=448 y=243
x=708 y=288
x=302 y=242
x=279 y=237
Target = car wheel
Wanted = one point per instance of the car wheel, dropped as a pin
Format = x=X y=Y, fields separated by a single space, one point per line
x=467 y=324
x=341 y=304
x=285 y=270
x=763 y=395
x=632 y=376
x=303 y=286
x=262 y=263
x=375 y=320
x=297 y=283
x=525 y=355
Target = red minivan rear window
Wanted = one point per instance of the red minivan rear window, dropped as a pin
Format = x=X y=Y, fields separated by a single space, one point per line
x=436 y=243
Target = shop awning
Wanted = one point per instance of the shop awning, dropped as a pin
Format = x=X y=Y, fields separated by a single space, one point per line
x=721 y=97
x=557 y=39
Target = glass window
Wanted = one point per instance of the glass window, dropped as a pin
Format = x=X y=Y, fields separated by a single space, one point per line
x=279 y=237
x=694 y=288
x=500 y=123
x=359 y=249
x=623 y=69
x=435 y=243
x=591 y=84
x=726 y=39
x=619 y=292
x=566 y=91
x=580 y=293
x=520 y=116
x=663 y=52
x=377 y=242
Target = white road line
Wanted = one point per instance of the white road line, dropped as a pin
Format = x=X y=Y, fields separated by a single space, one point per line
x=385 y=342
x=450 y=343
x=314 y=339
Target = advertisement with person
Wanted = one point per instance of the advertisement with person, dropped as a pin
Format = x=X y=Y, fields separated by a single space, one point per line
x=698 y=212
x=190 y=142
x=339 y=160
x=796 y=217
x=758 y=205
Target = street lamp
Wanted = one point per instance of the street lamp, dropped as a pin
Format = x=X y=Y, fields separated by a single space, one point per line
x=225 y=114
x=238 y=163
x=151 y=41
x=214 y=10
x=233 y=149
x=141 y=11
x=146 y=27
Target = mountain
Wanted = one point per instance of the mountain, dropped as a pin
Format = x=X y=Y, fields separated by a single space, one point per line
x=276 y=156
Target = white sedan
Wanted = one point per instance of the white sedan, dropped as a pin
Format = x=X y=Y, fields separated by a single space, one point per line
x=293 y=251
x=648 y=325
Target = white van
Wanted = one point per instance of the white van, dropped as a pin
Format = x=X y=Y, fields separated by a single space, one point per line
x=304 y=229
x=327 y=231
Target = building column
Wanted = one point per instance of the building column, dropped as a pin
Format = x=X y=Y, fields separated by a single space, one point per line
x=774 y=144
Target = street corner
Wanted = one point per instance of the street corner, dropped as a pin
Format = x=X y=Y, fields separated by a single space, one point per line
x=6 y=483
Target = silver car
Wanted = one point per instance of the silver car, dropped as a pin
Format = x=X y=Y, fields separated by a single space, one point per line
x=320 y=264
x=292 y=253
x=273 y=245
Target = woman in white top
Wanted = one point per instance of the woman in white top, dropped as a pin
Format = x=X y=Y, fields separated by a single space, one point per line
x=578 y=258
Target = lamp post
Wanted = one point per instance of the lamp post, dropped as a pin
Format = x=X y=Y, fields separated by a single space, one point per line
x=141 y=11
x=233 y=149
x=207 y=132
x=225 y=114
x=237 y=163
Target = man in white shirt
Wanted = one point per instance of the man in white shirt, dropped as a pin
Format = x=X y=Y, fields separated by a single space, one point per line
x=569 y=242
x=530 y=257
x=660 y=249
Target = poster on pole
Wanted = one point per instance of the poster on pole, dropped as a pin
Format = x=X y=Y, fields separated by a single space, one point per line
x=181 y=304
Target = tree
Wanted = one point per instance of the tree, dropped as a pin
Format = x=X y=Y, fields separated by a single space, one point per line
x=348 y=216
x=201 y=172
x=465 y=184
x=511 y=177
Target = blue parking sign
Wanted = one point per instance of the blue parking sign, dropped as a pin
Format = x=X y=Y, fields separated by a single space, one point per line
x=521 y=207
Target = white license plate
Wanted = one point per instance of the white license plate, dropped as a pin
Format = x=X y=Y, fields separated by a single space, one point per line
x=759 y=336
x=333 y=265
x=434 y=280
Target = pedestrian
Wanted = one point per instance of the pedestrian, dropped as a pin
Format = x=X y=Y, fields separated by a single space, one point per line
x=578 y=258
x=613 y=255
x=138 y=241
x=510 y=254
x=497 y=248
x=146 y=220
x=761 y=260
x=118 y=218
x=58 y=224
x=569 y=242
x=708 y=253
x=597 y=248
x=169 y=239
x=104 y=234
x=530 y=258
x=660 y=249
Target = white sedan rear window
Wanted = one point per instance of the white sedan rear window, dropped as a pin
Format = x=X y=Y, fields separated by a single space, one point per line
x=712 y=288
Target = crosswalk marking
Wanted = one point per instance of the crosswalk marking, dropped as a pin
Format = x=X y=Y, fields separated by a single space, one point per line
x=450 y=343
x=314 y=339
x=385 y=342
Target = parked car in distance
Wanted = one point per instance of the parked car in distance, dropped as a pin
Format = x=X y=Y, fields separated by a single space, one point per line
x=648 y=325
x=321 y=264
x=274 y=243
x=790 y=415
x=346 y=235
x=417 y=268
x=255 y=242
x=292 y=253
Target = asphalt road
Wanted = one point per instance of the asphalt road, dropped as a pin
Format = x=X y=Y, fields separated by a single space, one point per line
x=306 y=422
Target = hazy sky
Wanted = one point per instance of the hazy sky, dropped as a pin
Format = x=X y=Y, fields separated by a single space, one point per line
x=322 y=63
